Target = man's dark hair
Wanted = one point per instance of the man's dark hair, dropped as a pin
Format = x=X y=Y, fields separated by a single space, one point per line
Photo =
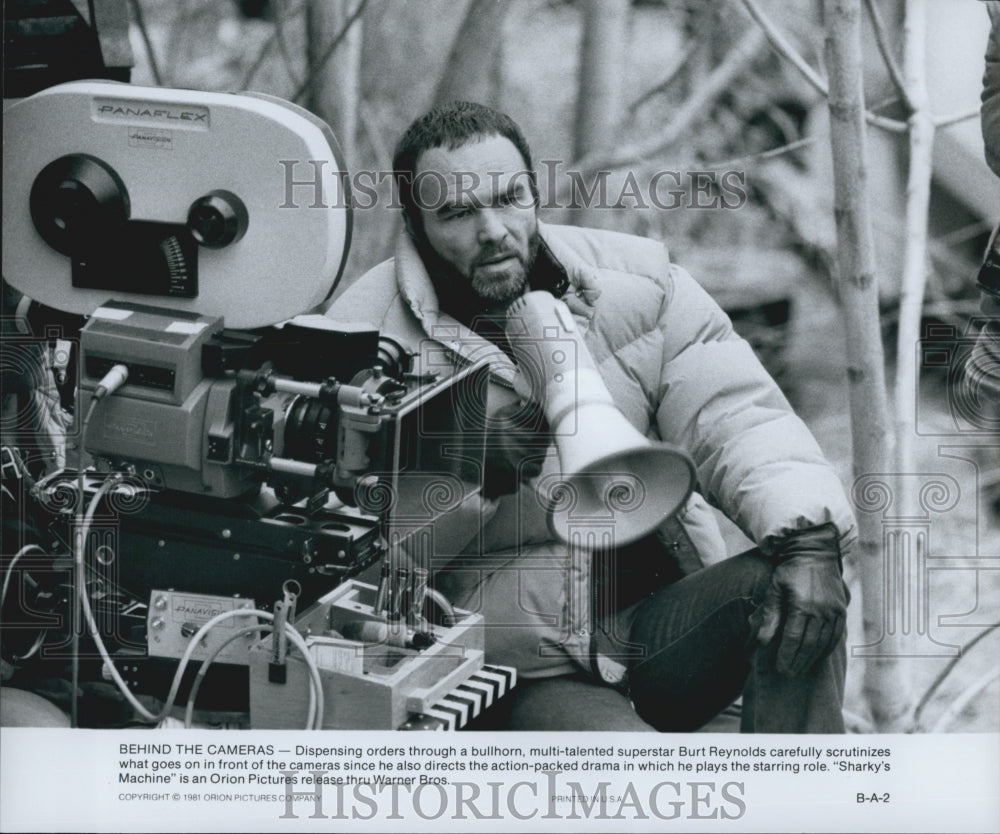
x=451 y=126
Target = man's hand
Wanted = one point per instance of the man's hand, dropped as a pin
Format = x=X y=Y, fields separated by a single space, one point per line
x=806 y=605
x=516 y=442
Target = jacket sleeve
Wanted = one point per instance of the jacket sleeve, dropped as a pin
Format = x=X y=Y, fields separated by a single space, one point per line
x=756 y=459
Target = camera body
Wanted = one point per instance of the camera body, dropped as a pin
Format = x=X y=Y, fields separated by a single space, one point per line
x=264 y=446
x=195 y=231
x=171 y=197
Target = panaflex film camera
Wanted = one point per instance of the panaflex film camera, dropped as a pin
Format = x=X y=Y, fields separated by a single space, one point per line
x=263 y=447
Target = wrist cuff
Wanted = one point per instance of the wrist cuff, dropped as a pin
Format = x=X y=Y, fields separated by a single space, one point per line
x=823 y=540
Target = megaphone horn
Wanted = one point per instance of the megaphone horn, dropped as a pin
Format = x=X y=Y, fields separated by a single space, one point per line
x=613 y=477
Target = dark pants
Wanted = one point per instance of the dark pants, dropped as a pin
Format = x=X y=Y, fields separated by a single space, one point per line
x=690 y=654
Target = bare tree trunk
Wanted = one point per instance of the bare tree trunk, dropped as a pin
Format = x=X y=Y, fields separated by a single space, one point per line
x=883 y=683
x=602 y=62
x=918 y=190
x=336 y=89
x=599 y=104
x=470 y=72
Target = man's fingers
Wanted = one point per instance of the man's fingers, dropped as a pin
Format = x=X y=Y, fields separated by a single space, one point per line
x=806 y=640
x=768 y=616
x=815 y=644
x=832 y=633
x=791 y=641
x=578 y=305
x=815 y=612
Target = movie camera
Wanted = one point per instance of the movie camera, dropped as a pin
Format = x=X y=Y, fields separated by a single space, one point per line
x=242 y=454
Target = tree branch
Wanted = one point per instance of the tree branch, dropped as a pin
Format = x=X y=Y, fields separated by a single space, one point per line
x=882 y=39
x=762 y=156
x=257 y=63
x=788 y=52
x=954 y=118
x=669 y=77
x=321 y=62
x=376 y=136
x=947 y=670
x=140 y=23
x=884 y=122
x=718 y=80
x=784 y=48
x=964 y=699
x=279 y=37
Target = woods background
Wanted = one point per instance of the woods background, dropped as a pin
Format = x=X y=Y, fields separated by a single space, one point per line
x=850 y=265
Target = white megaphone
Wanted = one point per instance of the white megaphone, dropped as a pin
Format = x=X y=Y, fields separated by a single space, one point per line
x=613 y=478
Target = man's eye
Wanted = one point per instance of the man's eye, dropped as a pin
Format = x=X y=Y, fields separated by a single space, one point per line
x=455 y=214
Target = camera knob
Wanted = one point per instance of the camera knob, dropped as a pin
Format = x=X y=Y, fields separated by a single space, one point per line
x=76 y=202
x=217 y=219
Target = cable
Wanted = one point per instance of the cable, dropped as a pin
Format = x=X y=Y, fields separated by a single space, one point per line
x=80 y=549
x=314 y=718
x=313 y=721
x=39 y=640
x=315 y=714
x=208 y=661
x=3 y=596
x=293 y=635
x=42 y=483
x=10 y=568
x=111 y=382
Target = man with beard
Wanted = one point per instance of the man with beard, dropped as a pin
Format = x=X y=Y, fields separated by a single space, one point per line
x=644 y=637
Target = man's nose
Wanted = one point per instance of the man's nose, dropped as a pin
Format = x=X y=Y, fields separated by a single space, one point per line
x=491 y=228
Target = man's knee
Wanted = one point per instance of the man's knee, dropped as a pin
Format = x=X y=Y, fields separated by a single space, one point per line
x=572 y=702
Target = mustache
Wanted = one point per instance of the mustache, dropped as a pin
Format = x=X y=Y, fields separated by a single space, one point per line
x=495 y=253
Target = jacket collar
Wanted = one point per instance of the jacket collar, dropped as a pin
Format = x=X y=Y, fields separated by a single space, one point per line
x=418 y=293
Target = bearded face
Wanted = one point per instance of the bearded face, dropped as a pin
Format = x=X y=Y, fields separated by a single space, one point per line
x=478 y=212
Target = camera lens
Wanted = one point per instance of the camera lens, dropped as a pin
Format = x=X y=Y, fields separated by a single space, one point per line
x=310 y=431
